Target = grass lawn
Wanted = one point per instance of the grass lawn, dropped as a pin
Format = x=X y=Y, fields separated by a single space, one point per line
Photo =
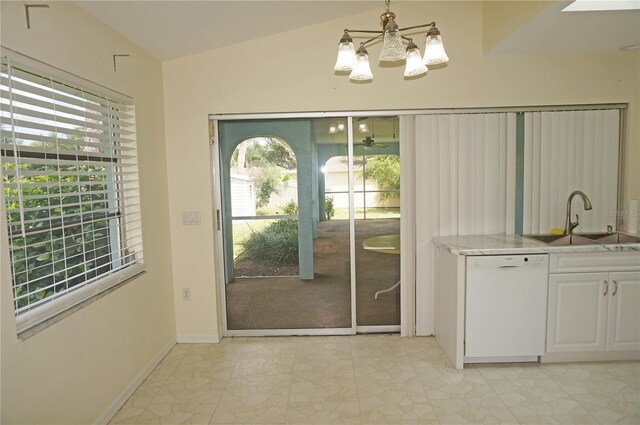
x=242 y=229
x=343 y=213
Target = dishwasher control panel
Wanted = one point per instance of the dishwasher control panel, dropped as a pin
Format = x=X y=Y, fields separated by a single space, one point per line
x=536 y=259
x=503 y=261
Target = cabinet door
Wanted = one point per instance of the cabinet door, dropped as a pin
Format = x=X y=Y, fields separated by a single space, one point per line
x=623 y=331
x=577 y=312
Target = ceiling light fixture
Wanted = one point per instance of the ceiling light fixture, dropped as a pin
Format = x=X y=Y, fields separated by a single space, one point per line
x=393 y=50
x=336 y=128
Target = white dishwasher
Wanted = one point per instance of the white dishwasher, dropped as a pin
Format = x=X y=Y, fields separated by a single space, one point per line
x=505 y=308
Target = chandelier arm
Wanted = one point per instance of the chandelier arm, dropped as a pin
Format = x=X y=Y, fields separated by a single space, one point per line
x=418 y=26
x=371 y=39
x=365 y=31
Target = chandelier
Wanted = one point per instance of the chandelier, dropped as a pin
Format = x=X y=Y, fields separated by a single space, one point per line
x=393 y=50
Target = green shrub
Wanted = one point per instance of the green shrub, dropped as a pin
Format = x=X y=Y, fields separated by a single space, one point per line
x=329 y=211
x=290 y=208
x=275 y=244
x=266 y=187
x=385 y=171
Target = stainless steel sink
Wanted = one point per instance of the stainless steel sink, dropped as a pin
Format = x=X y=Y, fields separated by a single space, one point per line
x=614 y=238
x=562 y=240
x=584 y=239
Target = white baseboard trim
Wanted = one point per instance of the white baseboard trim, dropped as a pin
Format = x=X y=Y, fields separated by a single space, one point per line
x=378 y=329
x=289 y=332
x=506 y=359
x=111 y=411
x=198 y=339
x=598 y=356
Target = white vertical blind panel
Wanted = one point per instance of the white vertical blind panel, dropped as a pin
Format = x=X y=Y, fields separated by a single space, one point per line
x=510 y=173
x=466 y=152
x=407 y=227
x=465 y=184
x=567 y=151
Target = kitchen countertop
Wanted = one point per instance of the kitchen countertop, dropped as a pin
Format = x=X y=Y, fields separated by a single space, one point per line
x=516 y=244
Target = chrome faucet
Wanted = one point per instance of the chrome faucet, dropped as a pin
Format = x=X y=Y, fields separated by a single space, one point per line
x=570 y=225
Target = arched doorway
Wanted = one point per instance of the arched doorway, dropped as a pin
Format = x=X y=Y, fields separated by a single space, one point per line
x=264 y=208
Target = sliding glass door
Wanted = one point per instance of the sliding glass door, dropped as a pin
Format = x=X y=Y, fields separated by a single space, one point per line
x=376 y=165
x=303 y=204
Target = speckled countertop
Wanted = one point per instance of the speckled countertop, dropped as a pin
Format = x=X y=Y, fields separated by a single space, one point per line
x=515 y=244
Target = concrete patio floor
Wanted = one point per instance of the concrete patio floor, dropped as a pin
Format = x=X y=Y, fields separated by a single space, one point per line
x=325 y=301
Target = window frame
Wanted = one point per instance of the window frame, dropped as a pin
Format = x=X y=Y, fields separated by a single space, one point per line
x=115 y=215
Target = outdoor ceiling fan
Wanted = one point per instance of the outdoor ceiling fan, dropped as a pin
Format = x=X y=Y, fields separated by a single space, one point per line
x=369 y=142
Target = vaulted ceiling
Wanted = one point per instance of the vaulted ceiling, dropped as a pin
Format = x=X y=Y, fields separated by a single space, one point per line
x=172 y=29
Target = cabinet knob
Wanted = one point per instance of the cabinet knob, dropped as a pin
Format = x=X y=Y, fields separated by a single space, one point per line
x=606 y=288
x=615 y=288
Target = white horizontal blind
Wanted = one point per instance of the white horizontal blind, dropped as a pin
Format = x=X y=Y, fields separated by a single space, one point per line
x=567 y=151
x=465 y=184
x=70 y=190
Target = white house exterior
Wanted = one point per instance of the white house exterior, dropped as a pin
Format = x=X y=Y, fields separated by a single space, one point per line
x=243 y=195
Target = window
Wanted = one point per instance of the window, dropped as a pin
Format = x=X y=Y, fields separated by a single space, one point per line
x=70 y=188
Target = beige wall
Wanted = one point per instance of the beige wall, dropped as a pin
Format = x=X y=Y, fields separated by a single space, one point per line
x=293 y=72
x=73 y=371
x=501 y=18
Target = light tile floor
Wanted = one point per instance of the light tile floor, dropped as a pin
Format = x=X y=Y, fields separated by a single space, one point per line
x=374 y=379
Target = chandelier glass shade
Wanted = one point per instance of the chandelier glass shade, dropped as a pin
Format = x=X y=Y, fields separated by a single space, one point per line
x=361 y=70
x=434 y=51
x=346 y=54
x=415 y=64
x=393 y=49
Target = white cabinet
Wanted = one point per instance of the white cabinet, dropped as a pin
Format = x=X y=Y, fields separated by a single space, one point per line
x=623 y=330
x=594 y=311
x=577 y=312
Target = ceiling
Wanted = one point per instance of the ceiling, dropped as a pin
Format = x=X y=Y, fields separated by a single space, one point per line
x=172 y=29
x=555 y=31
x=175 y=28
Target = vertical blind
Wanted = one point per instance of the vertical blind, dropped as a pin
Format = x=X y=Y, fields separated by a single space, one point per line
x=567 y=151
x=465 y=184
x=468 y=179
x=70 y=190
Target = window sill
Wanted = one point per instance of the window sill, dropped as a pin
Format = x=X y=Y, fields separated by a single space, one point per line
x=30 y=330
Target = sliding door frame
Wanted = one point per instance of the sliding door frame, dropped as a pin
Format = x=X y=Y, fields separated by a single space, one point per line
x=407 y=248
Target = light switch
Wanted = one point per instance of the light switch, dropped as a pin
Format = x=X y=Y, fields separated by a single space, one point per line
x=190 y=218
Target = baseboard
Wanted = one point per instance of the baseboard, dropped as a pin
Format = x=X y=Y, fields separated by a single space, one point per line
x=598 y=356
x=111 y=411
x=198 y=339
x=506 y=359
x=378 y=329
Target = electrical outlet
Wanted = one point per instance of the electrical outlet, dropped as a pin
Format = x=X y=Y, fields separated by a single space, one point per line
x=186 y=294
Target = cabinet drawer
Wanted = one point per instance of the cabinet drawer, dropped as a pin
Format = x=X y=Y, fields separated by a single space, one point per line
x=576 y=262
